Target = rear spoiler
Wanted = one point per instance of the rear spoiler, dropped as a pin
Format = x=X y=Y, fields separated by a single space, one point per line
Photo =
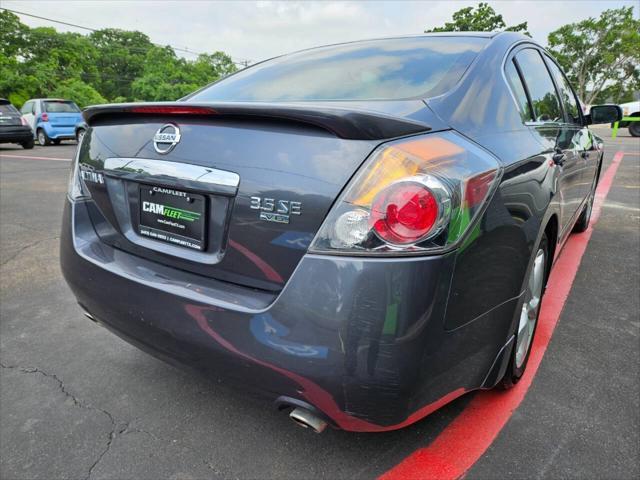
x=345 y=123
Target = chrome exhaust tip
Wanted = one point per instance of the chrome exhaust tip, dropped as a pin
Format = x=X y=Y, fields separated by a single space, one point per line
x=307 y=419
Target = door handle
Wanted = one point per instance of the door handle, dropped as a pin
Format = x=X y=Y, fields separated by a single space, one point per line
x=559 y=158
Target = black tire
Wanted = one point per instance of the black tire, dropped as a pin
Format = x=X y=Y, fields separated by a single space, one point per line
x=585 y=216
x=79 y=134
x=514 y=372
x=56 y=141
x=634 y=129
x=43 y=138
x=28 y=145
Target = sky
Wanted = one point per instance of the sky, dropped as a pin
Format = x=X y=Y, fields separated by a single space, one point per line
x=256 y=30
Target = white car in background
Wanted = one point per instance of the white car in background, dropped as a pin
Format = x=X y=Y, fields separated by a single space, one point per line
x=631 y=109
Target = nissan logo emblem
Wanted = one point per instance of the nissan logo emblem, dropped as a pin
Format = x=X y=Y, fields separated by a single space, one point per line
x=167 y=137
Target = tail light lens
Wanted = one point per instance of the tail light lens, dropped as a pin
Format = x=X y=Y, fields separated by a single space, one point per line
x=404 y=212
x=414 y=195
x=24 y=121
x=44 y=117
x=76 y=191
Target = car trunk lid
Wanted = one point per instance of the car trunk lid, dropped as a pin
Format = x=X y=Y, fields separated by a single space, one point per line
x=264 y=177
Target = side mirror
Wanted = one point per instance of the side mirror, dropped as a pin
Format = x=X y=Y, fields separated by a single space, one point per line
x=604 y=114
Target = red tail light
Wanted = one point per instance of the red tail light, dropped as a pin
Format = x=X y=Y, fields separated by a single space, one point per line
x=173 y=110
x=477 y=188
x=404 y=212
x=419 y=194
x=24 y=121
x=44 y=117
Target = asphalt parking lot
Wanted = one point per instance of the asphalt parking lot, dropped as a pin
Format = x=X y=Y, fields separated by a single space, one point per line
x=78 y=402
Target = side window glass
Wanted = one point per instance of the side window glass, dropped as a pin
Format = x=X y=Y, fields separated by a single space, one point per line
x=544 y=99
x=518 y=91
x=26 y=108
x=568 y=98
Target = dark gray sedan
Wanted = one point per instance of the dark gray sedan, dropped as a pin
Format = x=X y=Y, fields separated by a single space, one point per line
x=360 y=232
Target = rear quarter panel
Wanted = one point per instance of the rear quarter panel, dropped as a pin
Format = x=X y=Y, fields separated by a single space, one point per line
x=491 y=266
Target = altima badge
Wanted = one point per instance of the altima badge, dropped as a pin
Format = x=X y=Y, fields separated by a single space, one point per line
x=166 y=138
x=272 y=210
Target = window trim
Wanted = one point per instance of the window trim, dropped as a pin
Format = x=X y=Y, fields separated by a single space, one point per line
x=514 y=60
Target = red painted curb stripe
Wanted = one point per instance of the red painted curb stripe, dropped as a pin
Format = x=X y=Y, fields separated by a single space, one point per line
x=467 y=437
x=26 y=157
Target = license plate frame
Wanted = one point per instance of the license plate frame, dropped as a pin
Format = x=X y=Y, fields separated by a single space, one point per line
x=172 y=216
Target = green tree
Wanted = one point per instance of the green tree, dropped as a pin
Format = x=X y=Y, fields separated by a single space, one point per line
x=78 y=91
x=34 y=61
x=165 y=76
x=52 y=58
x=600 y=54
x=121 y=59
x=107 y=65
x=210 y=67
x=14 y=84
x=169 y=77
x=13 y=34
x=482 y=18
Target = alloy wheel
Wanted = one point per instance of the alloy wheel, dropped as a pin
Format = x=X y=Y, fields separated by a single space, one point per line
x=41 y=138
x=530 y=308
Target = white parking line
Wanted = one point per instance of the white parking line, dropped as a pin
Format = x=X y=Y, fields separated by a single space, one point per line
x=4 y=155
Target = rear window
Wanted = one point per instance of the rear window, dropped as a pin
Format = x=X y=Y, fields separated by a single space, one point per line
x=8 y=109
x=371 y=70
x=60 y=107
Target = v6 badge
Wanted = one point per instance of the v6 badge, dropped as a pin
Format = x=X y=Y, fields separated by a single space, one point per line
x=272 y=210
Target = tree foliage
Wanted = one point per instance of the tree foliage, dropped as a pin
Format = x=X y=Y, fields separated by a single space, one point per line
x=600 y=56
x=108 y=65
x=482 y=18
x=167 y=76
x=78 y=91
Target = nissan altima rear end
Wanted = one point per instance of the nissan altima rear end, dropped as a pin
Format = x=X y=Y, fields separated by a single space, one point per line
x=347 y=230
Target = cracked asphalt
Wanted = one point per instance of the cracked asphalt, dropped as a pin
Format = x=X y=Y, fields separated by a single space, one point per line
x=76 y=402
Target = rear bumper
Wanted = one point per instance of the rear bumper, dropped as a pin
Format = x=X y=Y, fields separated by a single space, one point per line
x=58 y=133
x=17 y=134
x=361 y=340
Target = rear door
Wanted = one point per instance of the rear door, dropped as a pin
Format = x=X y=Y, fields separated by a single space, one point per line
x=550 y=126
x=582 y=139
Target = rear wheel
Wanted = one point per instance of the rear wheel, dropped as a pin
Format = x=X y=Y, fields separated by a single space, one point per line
x=529 y=313
x=585 y=216
x=43 y=138
x=28 y=145
x=634 y=129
